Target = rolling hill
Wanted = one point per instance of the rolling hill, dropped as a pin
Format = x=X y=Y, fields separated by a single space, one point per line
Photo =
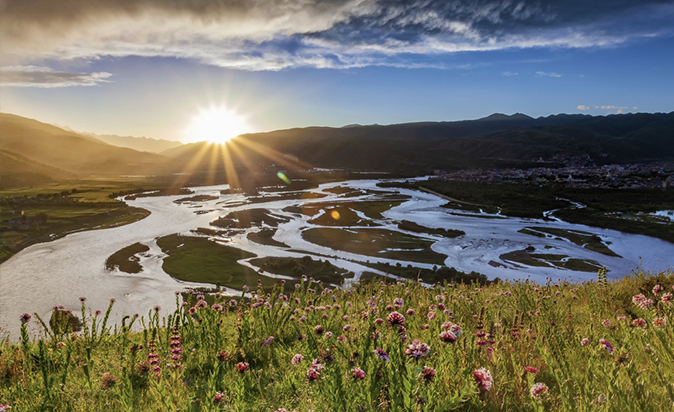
x=72 y=152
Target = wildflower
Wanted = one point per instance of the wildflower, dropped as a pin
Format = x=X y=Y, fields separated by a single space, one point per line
x=532 y=369
x=108 y=381
x=606 y=322
x=113 y=300
x=601 y=398
x=82 y=298
x=431 y=315
x=440 y=298
x=157 y=308
x=223 y=356
x=483 y=378
x=242 y=366
x=25 y=318
x=660 y=321
x=281 y=410
x=297 y=359
x=456 y=329
x=379 y=321
x=312 y=374
x=358 y=373
x=395 y=319
x=636 y=299
x=219 y=397
x=657 y=289
x=646 y=303
x=399 y=301
x=427 y=374
x=267 y=341
x=341 y=338
x=410 y=312
x=328 y=335
x=606 y=345
x=639 y=323
x=620 y=318
x=381 y=354
x=447 y=336
x=417 y=349
x=5 y=408
x=666 y=297
x=538 y=389
x=346 y=327
x=318 y=329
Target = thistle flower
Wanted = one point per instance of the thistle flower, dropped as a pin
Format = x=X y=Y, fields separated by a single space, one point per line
x=417 y=349
x=636 y=299
x=108 y=381
x=427 y=374
x=395 y=319
x=447 y=336
x=532 y=369
x=606 y=345
x=639 y=323
x=358 y=373
x=242 y=366
x=646 y=303
x=666 y=297
x=25 y=318
x=399 y=301
x=381 y=354
x=318 y=329
x=483 y=378
x=312 y=374
x=297 y=359
x=219 y=397
x=537 y=390
x=657 y=289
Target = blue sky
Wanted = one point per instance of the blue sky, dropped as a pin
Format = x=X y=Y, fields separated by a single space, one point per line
x=146 y=67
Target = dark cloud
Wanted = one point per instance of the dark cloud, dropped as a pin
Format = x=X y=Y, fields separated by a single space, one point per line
x=271 y=35
x=34 y=76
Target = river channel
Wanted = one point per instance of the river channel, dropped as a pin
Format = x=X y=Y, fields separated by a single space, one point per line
x=59 y=272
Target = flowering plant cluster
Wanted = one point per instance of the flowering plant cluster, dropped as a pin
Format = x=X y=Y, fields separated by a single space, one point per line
x=398 y=345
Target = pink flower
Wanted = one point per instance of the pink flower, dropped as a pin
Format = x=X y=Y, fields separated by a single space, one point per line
x=417 y=349
x=585 y=341
x=538 y=389
x=242 y=366
x=448 y=336
x=657 y=289
x=219 y=397
x=660 y=321
x=606 y=345
x=666 y=297
x=646 y=303
x=358 y=373
x=532 y=369
x=427 y=374
x=395 y=319
x=25 y=318
x=639 y=323
x=606 y=322
x=483 y=378
x=636 y=299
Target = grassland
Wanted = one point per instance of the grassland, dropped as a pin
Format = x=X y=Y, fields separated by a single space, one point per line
x=527 y=257
x=297 y=267
x=126 y=259
x=265 y=237
x=381 y=243
x=415 y=227
x=197 y=259
x=580 y=238
x=514 y=346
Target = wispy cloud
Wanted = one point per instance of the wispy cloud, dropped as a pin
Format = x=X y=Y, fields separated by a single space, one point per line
x=508 y=74
x=273 y=35
x=546 y=74
x=36 y=76
x=583 y=107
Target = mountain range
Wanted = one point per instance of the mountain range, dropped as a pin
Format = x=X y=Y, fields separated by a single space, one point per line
x=32 y=152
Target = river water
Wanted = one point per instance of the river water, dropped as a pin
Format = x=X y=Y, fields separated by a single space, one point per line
x=59 y=272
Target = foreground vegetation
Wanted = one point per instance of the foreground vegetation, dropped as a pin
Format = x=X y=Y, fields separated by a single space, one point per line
x=594 y=346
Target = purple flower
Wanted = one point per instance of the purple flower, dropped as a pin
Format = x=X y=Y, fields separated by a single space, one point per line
x=417 y=349
x=381 y=354
x=395 y=319
x=25 y=318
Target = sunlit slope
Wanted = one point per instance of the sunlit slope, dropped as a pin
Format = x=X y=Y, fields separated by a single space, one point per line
x=19 y=171
x=71 y=151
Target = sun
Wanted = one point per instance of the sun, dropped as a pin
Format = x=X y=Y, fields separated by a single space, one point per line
x=217 y=125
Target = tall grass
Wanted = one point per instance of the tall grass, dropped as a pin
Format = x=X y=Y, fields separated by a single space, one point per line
x=596 y=346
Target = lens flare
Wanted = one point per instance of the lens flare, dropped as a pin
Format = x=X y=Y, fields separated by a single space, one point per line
x=283 y=177
x=335 y=214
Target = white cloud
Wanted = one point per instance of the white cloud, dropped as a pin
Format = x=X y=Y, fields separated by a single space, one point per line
x=273 y=35
x=508 y=74
x=545 y=74
x=583 y=107
x=36 y=76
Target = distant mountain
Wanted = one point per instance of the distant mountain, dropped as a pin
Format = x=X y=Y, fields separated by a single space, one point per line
x=142 y=144
x=19 y=171
x=72 y=152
